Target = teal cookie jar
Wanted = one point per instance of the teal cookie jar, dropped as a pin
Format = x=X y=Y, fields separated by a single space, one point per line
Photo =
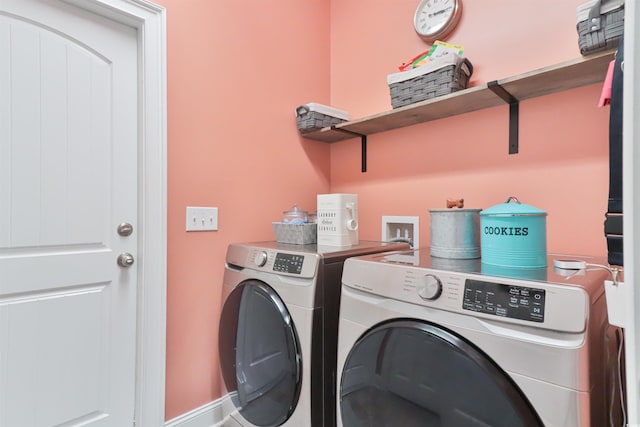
x=513 y=234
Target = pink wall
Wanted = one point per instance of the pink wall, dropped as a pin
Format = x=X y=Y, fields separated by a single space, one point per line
x=563 y=162
x=236 y=72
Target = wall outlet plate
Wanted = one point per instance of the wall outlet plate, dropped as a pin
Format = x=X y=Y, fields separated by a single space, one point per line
x=617 y=296
x=401 y=229
x=201 y=219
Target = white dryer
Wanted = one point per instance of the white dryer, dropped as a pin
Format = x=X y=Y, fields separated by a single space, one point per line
x=433 y=342
x=278 y=331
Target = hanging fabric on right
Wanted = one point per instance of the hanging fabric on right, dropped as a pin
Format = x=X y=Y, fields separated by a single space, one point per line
x=614 y=217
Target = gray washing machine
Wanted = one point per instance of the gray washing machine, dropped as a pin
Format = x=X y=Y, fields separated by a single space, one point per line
x=426 y=341
x=278 y=331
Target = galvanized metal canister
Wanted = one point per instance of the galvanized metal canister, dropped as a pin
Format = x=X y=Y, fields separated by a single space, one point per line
x=455 y=233
x=514 y=234
x=469 y=265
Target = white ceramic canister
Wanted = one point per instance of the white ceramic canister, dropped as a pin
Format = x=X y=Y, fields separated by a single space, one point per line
x=455 y=232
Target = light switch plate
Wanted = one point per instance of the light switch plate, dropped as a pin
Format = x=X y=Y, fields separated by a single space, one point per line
x=202 y=218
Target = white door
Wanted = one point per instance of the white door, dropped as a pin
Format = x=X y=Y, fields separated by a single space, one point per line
x=68 y=178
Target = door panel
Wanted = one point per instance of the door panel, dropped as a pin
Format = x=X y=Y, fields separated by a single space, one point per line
x=260 y=354
x=414 y=373
x=74 y=357
x=68 y=177
x=59 y=141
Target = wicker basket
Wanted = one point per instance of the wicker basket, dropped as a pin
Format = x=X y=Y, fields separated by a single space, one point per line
x=600 y=25
x=311 y=117
x=429 y=81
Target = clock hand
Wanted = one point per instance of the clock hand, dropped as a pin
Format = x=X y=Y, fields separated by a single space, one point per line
x=440 y=11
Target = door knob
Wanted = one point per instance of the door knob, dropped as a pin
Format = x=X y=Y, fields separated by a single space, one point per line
x=125 y=229
x=125 y=259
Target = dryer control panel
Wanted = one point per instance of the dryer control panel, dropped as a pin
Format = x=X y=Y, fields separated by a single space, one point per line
x=288 y=263
x=283 y=262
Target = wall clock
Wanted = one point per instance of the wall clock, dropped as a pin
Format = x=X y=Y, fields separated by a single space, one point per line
x=435 y=19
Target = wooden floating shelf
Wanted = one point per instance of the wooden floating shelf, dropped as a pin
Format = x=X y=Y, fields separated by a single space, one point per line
x=544 y=81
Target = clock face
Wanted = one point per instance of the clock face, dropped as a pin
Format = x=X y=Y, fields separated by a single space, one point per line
x=436 y=18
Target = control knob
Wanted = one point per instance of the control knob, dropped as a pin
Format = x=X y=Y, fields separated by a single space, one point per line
x=430 y=287
x=261 y=258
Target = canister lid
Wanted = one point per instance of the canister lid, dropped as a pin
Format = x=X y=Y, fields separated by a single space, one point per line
x=461 y=210
x=295 y=215
x=513 y=207
x=295 y=210
x=455 y=205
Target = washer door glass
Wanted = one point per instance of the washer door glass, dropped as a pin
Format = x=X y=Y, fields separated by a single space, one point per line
x=260 y=354
x=413 y=373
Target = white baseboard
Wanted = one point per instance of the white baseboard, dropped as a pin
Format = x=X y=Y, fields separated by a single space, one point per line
x=213 y=414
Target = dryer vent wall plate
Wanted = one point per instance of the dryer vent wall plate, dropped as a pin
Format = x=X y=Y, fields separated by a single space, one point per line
x=401 y=229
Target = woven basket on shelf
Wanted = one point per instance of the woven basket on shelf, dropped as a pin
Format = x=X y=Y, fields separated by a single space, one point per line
x=422 y=84
x=600 y=25
x=311 y=117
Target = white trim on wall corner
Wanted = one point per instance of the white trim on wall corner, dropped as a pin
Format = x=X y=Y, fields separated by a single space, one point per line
x=213 y=414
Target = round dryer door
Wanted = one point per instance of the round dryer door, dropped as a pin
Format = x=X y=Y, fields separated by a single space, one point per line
x=413 y=373
x=260 y=354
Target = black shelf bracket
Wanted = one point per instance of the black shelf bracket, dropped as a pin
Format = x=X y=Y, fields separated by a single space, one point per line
x=514 y=113
x=363 y=139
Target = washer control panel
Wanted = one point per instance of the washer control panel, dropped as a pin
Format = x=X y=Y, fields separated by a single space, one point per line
x=517 y=302
x=520 y=301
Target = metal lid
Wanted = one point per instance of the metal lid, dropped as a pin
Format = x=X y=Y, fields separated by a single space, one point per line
x=513 y=207
x=454 y=205
x=438 y=210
